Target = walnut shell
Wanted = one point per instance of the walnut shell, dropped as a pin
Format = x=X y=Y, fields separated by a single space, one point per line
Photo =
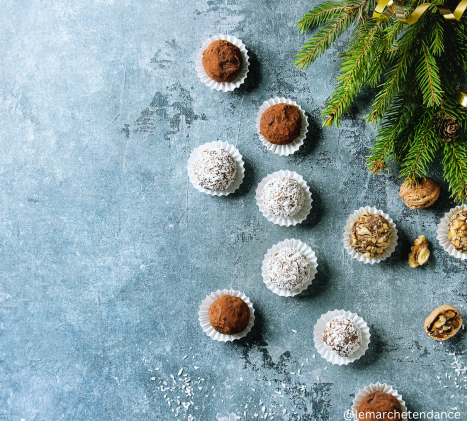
x=443 y=323
x=420 y=196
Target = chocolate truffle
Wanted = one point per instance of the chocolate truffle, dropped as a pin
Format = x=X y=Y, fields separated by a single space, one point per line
x=215 y=169
x=281 y=123
x=370 y=235
x=342 y=336
x=457 y=231
x=229 y=315
x=379 y=406
x=288 y=269
x=222 y=61
x=283 y=197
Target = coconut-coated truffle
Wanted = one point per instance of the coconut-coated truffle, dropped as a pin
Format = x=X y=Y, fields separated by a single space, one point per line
x=342 y=336
x=215 y=169
x=288 y=269
x=283 y=197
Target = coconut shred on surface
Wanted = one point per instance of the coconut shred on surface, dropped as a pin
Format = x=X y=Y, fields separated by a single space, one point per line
x=215 y=169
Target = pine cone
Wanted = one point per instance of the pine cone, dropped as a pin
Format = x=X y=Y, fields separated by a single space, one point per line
x=447 y=129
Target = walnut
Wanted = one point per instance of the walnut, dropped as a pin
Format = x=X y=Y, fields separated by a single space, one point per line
x=419 y=253
x=457 y=231
x=443 y=323
x=420 y=196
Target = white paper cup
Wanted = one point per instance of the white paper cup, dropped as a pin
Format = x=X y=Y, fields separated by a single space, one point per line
x=204 y=315
x=348 y=225
x=442 y=232
x=233 y=151
x=282 y=149
x=326 y=352
x=302 y=248
x=378 y=387
x=297 y=218
x=222 y=86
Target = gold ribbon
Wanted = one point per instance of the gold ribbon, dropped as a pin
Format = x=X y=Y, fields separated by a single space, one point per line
x=462 y=99
x=386 y=8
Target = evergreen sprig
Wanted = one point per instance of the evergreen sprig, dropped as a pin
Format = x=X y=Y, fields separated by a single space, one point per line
x=417 y=72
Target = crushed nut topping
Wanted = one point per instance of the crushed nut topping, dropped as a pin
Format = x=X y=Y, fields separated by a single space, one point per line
x=457 y=231
x=370 y=235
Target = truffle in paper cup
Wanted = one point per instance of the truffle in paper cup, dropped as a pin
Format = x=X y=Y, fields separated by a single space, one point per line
x=297 y=218
x=222 y=86
x=326 y=352
x=204 y=315
x=348 y=226
x=442 y=232
x=233 y=151
x=302 y=248
x=297 y=142
x=378 y=387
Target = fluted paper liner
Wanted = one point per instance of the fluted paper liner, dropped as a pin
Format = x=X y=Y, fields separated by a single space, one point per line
x=326 y=352
x=204 y=315
x=297 y=142
x=442 y=232
x=378 y=387
x=222 y=86
x=233 y=151
x=302 y=248
x=348 y=225
x=297 y=218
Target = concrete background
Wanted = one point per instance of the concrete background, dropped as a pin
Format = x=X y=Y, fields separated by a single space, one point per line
x=106 y=250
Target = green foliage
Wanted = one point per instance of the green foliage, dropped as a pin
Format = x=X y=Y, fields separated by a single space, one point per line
x=416 y=71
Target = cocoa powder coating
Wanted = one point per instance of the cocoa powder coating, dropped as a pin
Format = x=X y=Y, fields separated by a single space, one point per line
x=222 y=61
x=281 y=123
x=379 y=406
x=229 y=315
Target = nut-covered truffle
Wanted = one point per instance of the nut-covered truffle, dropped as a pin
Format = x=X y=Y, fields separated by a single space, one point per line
x=283 y=197
x=281 y=123
x=457 y=231
x=443 y=323
x=288 y=269
x=379 y=406
x=222 y=61
x=229 y=315
x=421 y=195
x=215 y=169
x=370 y=235
x=419 y=254
x=342 y=336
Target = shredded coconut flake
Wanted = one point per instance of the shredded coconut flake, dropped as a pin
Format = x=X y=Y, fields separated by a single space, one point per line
x=342 y=336
x=283 y=197
x=288 y=269
x=215 y=169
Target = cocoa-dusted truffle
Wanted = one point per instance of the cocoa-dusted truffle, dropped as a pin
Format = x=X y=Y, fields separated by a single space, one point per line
x=379 y=406
x=215 y=169
x=229 y=315
x=457 y=231
x=283 y=197
x=288 y=269
x=370 y=235
x=222 y=61
x=281 y=123
x=342 y=336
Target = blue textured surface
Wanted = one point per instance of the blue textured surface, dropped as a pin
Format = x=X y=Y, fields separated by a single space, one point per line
x=106 y=250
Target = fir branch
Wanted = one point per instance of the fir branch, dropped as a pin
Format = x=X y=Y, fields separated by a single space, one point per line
x=354 y=71
x=423 y=147
x=323 y=39
x=427 y=75
x=395 y=126
x=396 y=75
x=388 y=37
x=323 y=13
x=455 y=168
